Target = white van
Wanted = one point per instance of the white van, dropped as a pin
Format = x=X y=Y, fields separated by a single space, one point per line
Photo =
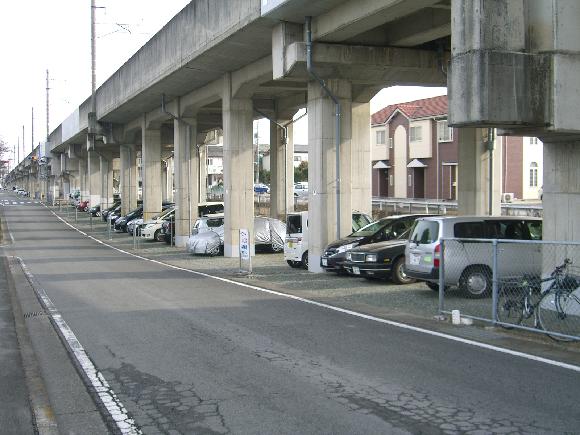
x=296 y=242
x=469 y=264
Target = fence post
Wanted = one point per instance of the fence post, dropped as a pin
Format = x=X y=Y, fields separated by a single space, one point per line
x=442 y=277
x=76 y=214
x=134 y=238
x=494 y=288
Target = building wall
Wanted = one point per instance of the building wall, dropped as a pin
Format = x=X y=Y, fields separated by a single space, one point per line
x=533 y=151
x=512 y=150
x=380 y=152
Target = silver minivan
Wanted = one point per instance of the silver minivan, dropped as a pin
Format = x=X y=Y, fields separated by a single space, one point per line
x=468 y=265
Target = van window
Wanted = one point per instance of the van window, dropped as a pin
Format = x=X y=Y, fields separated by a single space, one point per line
x=214 y=222
x=425 y=232
x=469 y=230
x=294 y=224
x=535 y=229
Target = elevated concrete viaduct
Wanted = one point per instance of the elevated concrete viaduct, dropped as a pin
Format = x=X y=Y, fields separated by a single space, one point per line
x=223 y=64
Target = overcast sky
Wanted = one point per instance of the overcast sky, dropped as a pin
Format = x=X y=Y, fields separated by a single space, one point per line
x=38 y=35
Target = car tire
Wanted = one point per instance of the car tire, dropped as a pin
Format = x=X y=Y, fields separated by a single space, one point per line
x=398 y=275
x=156 y=235
x=304 y=261
x=476 y=282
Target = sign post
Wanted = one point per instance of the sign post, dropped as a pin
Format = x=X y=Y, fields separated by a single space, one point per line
x=245 y=250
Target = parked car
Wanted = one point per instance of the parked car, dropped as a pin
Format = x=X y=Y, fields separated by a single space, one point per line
x=114 y=215
x=105 y=213
x=95 y=210
x=203 y=209
x=261 y=188
x=300 y=189
x=388 y=228
x=121 y=223
x=83 y=205
x=208 y=237
x=469 y=264
x=380 y=260
x=296 y=242
x=151 y=229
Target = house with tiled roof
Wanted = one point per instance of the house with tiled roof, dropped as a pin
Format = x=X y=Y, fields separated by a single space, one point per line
x=415 y=154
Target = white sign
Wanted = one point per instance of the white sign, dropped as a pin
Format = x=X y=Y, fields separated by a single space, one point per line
x=244 y=244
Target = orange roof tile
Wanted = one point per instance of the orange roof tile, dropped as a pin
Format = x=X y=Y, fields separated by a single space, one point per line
x=427 y=107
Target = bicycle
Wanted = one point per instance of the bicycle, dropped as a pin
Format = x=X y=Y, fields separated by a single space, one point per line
x=556 y=309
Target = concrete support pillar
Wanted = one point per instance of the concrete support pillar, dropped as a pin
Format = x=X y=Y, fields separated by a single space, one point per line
x=202 y=173
x=361 y=169
x=151 y=172
x=170 y=178
x=164 y=180
x=281 y=170
x=322 y=177
x=186 y=178
x=474 y=174
x=238 y=169
x=106 y=179
x=128 y=178
x=561 y=197
x=94 y=176
x=82 y=178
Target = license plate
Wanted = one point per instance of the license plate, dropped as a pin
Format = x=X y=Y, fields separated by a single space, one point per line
x=415 y=259
x=324 y=262
x=356 y=270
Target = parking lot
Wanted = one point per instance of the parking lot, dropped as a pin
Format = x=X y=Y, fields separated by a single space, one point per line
x=414 y=303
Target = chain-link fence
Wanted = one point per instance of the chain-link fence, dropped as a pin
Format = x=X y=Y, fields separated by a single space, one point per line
x=531 y=285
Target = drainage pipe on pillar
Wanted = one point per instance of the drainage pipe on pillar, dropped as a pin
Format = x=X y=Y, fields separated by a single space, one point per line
x=311 y=71
x=490 y=144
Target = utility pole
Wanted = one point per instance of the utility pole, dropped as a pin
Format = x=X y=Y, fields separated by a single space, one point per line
x=32 y=132
x=23 y=142
x=47 y=108
x=93 y=114
x=18 y=148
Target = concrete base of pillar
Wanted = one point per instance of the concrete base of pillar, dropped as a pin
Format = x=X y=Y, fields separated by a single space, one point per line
x=181 y=241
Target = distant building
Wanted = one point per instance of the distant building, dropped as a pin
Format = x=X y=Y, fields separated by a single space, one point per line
x=415 y=154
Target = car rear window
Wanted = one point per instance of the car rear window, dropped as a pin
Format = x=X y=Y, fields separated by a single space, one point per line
x=294 y=224
x=425 y=232
x=215 y=222
x=469 y=230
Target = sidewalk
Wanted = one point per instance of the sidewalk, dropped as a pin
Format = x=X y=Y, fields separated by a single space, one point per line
x=15 y=413
x=412 y=304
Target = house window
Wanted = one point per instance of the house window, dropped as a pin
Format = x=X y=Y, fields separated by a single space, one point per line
x=390 y=180
x=533 y=174
x=381 y=137
x=297 y=158
x=415 y=134
x=444 y=132
x=533 y=141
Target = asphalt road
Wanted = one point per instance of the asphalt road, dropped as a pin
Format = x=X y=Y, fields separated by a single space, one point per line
x=190 y=354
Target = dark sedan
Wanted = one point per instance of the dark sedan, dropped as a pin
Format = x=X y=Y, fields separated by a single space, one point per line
x=121 y=223
x=385 y=229
x=106 y=212
x=380 y=260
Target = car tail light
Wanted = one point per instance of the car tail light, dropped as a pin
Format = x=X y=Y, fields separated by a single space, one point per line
x=437 y=257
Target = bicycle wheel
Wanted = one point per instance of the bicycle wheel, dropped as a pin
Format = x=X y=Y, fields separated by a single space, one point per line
x=510 y=307
x=559 y=312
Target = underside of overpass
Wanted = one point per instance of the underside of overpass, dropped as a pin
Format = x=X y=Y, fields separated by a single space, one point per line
x=221 y=65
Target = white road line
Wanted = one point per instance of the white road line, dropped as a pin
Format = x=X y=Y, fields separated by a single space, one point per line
x=117 y=412
x=343 y=310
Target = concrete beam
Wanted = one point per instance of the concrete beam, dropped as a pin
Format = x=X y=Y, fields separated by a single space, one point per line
x=353 y=18
x=366 y=65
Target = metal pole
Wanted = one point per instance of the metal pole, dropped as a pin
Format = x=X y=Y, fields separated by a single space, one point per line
x=494 y=290
x=442 y=278
x=91 y=219
x=76 y=214
x=109 y=220
x=134 y=237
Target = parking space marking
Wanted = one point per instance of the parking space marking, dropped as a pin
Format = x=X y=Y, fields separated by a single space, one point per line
x=466 y=341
